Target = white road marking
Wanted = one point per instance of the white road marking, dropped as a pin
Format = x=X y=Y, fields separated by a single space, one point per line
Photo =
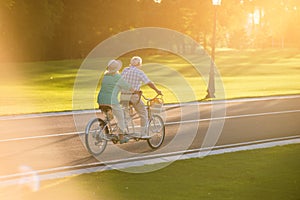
x=234 y=116
x=167 y=123
x=52 y=114
x=62 y=172
x=40 y=136
x=240 y=100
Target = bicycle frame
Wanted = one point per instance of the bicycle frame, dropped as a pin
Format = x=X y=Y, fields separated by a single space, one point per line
x=148 y=106
x=99 y=131
x=112 y=127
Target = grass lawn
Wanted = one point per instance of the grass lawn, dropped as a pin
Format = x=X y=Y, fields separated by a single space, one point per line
x=271 y=173
x=48 y=86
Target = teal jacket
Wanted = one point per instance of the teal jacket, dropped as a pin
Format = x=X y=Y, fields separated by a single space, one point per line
x=110 y=88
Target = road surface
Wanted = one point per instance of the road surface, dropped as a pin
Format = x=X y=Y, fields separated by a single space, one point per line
x=48 y=141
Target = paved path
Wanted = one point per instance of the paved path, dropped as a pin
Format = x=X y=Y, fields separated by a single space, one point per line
x=51 y=141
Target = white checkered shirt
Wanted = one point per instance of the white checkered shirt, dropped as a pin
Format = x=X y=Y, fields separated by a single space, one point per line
x=135 y=77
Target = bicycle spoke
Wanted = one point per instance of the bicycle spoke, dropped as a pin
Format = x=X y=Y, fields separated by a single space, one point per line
x=95 y=136
x=156 y=130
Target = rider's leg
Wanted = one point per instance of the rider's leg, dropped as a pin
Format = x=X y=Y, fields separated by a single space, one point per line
x=124 y=100
x=140 y=108
x=118 y=113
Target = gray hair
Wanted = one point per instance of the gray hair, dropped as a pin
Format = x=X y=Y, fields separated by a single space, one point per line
x=136 y=61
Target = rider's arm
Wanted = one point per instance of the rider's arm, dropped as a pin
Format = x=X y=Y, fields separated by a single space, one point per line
x=148 y=82
x=153 y=86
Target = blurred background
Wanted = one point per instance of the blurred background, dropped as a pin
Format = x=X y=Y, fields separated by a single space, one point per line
x=34 y=30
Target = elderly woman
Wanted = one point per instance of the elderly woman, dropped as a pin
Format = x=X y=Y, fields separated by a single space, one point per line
x=111 y=85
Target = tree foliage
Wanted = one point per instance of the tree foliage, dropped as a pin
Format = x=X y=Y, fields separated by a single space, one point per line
x=63 y=29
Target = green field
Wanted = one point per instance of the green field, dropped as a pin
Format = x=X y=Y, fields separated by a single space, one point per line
x=48 y=86
x=271 y=173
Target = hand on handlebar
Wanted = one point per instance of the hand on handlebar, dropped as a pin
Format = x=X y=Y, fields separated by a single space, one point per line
x=159 y=92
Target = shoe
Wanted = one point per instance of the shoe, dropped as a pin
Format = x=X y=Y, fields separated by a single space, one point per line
x=145 y=137
x=124 y=140
x=139 y=136
x=143 y=134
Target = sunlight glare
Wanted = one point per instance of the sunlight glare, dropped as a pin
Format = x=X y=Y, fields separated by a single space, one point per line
x=256 y=17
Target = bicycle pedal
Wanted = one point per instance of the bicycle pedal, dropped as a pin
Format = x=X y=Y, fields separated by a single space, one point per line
x=111 y=137
x=115 y=141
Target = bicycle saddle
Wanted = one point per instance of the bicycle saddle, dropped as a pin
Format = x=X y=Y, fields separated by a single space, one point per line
x=105 y=108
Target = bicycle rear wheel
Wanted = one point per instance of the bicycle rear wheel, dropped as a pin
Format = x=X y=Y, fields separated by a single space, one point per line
x=94 y=136
x=156 y=129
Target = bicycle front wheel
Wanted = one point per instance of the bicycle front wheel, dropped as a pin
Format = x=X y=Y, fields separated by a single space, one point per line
x=94 y=136
x=156 y=130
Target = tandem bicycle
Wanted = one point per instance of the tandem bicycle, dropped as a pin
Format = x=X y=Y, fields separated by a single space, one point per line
x=99 y=132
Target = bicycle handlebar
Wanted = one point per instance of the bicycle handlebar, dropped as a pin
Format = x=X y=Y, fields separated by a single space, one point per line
x=149 y=99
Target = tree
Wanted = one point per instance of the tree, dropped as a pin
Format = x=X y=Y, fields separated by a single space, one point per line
x=29 y=27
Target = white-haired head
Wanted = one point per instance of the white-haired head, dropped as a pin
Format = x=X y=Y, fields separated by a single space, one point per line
x=113 y=66
x=136 y=61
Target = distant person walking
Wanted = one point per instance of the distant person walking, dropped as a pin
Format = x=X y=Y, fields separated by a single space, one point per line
x=136 y=77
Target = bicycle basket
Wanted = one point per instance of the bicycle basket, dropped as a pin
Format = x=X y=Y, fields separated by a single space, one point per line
x=156 y=105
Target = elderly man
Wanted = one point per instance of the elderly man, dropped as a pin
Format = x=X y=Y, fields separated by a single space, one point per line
x=136 y=77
